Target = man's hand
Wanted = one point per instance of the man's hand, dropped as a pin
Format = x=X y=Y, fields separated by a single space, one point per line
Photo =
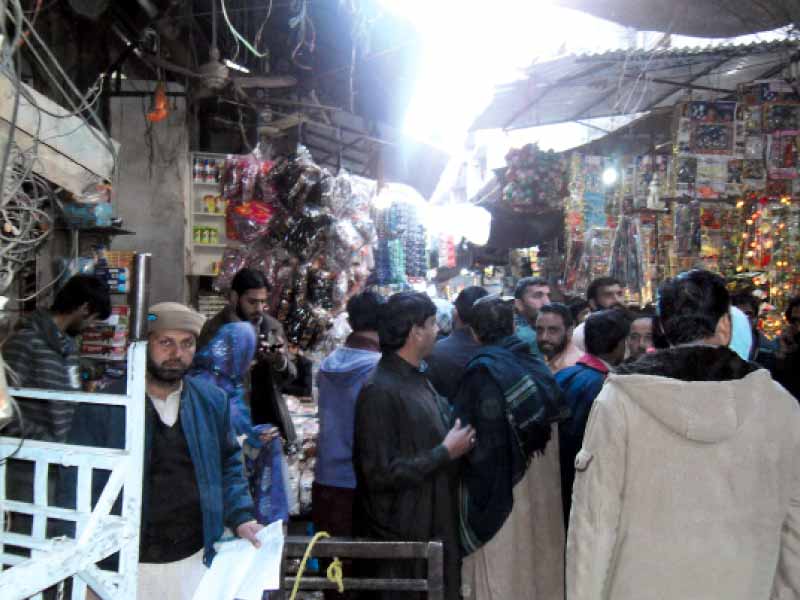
x=459 y=440
x=248 y=531
x=275 y=355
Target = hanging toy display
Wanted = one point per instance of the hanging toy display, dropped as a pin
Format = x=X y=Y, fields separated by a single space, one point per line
x=309 y=232
x=401 y=253
x=536 y=180
x=626 y=256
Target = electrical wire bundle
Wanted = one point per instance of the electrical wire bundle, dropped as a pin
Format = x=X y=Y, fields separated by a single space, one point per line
x=27 y=201
x=25 y=222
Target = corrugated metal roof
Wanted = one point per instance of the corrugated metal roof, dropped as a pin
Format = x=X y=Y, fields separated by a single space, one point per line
x=402 y=160
x=688 y=51
x=620 y=82
x=721 y=18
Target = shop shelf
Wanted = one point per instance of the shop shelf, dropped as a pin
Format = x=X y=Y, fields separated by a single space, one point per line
x=104 y=358
x=204 y=184
x=100 y=230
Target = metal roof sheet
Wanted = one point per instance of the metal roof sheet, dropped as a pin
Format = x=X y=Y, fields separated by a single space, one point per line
x=622 y=82
x=720 y=18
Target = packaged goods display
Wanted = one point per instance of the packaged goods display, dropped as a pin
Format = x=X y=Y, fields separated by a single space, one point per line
x=402 y=250
x=309 y=232
x=108 y=340
x=727 y=199
x=536 y=180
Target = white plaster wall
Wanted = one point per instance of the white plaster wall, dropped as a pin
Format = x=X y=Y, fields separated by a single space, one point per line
x=153 y=185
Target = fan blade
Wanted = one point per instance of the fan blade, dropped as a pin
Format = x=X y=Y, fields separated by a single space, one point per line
x=277 y=128
x=165 y=64
x=269 y=81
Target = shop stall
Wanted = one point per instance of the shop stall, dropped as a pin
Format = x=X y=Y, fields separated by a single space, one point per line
x=312 y=234
x=722 y=194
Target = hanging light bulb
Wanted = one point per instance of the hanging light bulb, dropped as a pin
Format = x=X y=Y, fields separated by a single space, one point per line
x=610 y=176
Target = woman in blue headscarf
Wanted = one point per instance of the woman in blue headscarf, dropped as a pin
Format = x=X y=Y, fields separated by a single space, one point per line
x=225 y=362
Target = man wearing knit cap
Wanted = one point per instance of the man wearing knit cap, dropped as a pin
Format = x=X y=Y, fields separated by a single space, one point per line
x=193 y=486
x=187 y=505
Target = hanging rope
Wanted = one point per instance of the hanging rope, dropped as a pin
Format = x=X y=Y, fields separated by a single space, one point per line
x=334 y=572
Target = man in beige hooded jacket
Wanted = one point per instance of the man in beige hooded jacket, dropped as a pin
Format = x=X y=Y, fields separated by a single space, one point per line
x=688 y=483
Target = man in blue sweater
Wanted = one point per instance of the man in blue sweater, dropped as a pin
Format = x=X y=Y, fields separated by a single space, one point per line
x=193 y=483
x=341 y=376
x=606 y=334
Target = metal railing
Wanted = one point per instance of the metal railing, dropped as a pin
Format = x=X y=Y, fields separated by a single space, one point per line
x=98 y=534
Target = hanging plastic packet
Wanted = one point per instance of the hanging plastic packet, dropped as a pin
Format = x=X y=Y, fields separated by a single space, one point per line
x=249 y=221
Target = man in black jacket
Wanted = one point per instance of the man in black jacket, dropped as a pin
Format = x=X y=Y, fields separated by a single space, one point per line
x=404 y=454
x=450 y=355
x=249 y=298
x=787 y=358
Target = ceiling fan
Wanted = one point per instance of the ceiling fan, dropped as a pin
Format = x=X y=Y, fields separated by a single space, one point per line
x=214 y=76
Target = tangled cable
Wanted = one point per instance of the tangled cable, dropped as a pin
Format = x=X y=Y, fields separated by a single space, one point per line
x=25 y=220
x=27 y=201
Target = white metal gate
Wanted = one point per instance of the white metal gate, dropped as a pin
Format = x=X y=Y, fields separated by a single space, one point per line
x=99 y=534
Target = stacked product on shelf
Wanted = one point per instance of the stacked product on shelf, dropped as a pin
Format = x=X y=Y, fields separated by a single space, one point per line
x=210 y=304
x=108 y=340
x=524 y=262
x=207 y=170
x=207 y=233
x=301 y=463
x=104 y=344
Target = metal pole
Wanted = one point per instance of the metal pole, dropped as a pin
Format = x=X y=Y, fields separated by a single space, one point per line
x=141 y=301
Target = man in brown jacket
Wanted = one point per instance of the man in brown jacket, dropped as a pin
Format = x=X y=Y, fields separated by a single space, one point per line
x=273 y=366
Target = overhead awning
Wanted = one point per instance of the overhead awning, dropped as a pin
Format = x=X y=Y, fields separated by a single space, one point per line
x=622 y=82
x=704 y=18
